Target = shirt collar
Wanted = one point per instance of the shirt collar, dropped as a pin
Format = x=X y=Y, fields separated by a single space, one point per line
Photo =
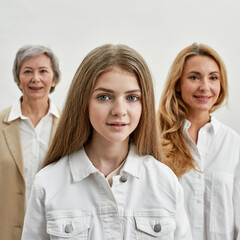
x=213 y=124
x=81 y=167
x=16 y=112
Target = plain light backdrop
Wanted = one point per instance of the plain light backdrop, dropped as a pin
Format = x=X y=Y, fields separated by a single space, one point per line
x=157 y=29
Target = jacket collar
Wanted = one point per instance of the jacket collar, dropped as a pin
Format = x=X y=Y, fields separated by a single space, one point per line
x=12 y=136
x=81 y=167
x=133 y=163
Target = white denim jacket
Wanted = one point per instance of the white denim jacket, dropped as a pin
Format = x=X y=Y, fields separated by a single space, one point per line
x=212 y=195
x=71 y=199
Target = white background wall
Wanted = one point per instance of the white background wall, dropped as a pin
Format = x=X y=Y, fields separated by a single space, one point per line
x=158 y=29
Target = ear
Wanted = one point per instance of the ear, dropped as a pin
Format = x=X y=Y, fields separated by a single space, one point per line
x=177 y=87
x=53 y=83
x=20 y=85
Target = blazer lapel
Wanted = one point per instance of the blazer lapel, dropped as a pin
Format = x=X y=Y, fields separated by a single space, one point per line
x=54 y=127
x=12 y=134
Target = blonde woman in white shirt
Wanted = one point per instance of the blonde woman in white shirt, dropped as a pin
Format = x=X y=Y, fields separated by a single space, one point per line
x=204 y=153
x=102 y=179
x=25 y=131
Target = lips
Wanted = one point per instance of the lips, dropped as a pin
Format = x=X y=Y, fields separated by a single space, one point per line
x=117 y=126
x=35 y=88
x=202 y=98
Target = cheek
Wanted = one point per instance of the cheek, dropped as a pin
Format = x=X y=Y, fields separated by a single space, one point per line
x=136 y=113
x=187 y=91
x=24 y=80
x=48 y=80
x=22 y=83
x=218 y=89
x=96 y=114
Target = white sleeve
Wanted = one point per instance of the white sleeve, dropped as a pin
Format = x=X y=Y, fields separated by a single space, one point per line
x=35 y=220
x=236 y=201
x=183 y=229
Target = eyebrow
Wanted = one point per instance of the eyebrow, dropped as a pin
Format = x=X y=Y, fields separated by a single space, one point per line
x=215 y=72
x=32 y=68
x=111 y=91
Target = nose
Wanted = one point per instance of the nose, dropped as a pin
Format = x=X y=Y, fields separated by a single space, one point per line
x=204 y=84
x=35 y=77
x=119 y=108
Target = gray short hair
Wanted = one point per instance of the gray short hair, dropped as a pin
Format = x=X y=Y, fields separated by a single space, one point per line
x=30 y=51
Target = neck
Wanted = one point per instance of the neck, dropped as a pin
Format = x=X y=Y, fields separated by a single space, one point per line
x=197 y=122
x=35 y=110
x=105 y=156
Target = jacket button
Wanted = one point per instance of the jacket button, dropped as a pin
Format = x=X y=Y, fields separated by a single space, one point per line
x=123 y=179
x=68 y=228
x=157 y=228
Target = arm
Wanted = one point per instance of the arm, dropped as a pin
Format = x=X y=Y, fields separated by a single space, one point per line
x=35 y=219
x=236 y=201
x=183 y=230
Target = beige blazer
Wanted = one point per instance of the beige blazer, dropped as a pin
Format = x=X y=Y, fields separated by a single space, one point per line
x=12 y=183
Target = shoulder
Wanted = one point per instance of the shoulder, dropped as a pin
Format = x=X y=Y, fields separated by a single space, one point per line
x=159 y=171
x=224 y=131
x=151 y=167
x=53 y=173
x=154 y=164
x=157 y=179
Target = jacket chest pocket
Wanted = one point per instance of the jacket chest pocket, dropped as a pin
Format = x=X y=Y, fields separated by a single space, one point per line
x=161 y=228
x=68 y=227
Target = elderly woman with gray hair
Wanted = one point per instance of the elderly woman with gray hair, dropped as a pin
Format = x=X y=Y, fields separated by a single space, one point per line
x=26 y=129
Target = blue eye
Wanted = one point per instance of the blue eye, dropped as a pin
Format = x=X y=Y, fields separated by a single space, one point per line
x=194 y=77
x=132 y=98
x=103 y=98
x=213 y=78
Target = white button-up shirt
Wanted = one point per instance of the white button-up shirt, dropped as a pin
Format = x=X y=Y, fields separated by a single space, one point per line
x=71 y=199
x=213 y=194
x=34 y=141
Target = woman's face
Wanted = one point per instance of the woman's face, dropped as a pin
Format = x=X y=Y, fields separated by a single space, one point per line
x=200 y=84
x=36 y=78
x=115 y=106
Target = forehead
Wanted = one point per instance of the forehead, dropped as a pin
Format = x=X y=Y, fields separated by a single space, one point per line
x=41 y=59
x=117 y=78
x=200 y=63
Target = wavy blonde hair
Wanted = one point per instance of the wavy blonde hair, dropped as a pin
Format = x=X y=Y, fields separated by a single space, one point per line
x=172 y=110
x=74 y=129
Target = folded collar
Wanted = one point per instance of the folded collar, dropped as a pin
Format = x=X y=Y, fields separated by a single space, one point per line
x=81 y=167
x=213 y=124
x=16 y=112
x=133 y=163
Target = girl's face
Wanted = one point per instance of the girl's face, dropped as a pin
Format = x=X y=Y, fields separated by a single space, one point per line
x=200 y=84
x=36 y=77
x=115 y=106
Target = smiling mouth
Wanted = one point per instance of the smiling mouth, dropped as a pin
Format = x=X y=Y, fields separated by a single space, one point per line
x=117 y=124
x=203 y=99
x=36 y=88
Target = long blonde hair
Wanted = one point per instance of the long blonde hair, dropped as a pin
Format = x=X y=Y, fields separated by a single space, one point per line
x=75 y=131
x=172 y=111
